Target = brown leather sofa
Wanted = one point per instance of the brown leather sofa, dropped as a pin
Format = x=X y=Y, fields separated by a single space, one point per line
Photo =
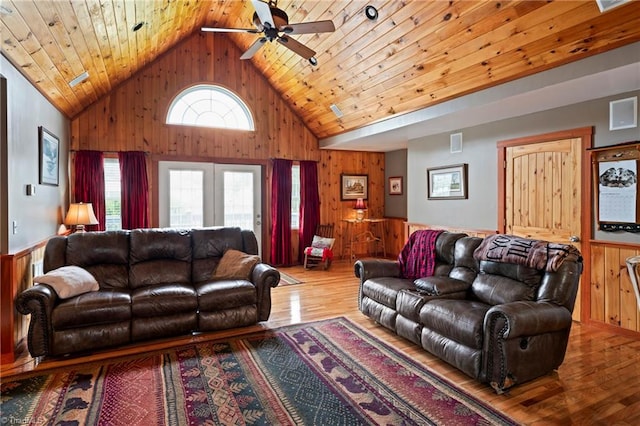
x=153 y=283
x=500 y=323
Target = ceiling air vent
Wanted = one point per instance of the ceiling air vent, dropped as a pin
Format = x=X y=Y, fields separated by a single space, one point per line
x=605 y=5
x=336 y=110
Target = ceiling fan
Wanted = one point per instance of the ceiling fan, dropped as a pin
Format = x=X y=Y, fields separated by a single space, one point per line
x=273 y=24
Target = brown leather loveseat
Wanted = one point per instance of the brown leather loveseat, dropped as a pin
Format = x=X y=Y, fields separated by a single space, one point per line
x=501 y=323
x=152 y=283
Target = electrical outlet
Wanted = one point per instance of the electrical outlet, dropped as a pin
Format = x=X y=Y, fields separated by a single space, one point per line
x=15 y=226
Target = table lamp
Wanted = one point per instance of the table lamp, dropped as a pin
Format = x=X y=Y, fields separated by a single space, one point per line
x=360 y=208
x=80 y=214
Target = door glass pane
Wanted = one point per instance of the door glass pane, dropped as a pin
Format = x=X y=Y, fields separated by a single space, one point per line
x=186 y=200
x=238 y=199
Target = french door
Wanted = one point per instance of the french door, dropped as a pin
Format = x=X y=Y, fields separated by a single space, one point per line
x=192 y=195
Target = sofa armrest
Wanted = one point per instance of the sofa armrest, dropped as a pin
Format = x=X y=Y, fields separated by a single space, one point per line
x=522 y=341
x=38 y=301
x=528 y=318
x=374 y=268
x=264 y=277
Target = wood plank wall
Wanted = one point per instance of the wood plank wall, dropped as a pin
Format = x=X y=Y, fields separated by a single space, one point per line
x=132 y=118
x=612 y=300
x=16 y=277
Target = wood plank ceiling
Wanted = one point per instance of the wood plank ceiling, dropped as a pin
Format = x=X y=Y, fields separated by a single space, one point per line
x=416 y=54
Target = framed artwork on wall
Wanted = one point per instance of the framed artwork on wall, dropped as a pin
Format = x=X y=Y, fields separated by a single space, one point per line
x=447 y=182
x=353 y=187
x=395 y=185
x=49 y=153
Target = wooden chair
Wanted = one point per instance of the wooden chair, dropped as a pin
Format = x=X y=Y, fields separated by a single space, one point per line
x=321 y=249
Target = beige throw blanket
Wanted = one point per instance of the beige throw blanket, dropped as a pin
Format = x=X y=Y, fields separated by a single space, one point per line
x=541 y=255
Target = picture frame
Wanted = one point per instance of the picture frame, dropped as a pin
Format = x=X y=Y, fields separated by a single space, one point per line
x=48 y=157
x=447 y=182
x=353 y=187
x=395 y=185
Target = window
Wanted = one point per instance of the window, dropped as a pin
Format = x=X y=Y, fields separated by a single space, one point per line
x=112 y=193
x=295 y=196
x=210 y=106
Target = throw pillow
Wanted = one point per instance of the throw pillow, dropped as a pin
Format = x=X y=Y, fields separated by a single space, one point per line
x=69 y=281
x=322 y=242
x=235 y=264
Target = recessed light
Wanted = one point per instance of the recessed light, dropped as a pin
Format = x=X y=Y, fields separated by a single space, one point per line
x=138 y=26
x=313 y=61
x=371 y=12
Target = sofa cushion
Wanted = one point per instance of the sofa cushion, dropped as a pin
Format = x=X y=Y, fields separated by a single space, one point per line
x=499 y=283
x=104 y=254
x=385 y=290
x=159 y=256
x=225 y=294
x=69 y=281
x=236 y=265
x=459 y=320
x=209 y=245
x=91 y=309
x=163 y=300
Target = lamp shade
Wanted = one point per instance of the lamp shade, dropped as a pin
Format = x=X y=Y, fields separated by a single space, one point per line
x=81 y=214
x=360 y=204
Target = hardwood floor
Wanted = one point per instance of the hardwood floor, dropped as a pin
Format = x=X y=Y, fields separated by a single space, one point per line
x=598 y=383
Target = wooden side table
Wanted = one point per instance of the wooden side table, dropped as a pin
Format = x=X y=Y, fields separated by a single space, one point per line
x=365 y=231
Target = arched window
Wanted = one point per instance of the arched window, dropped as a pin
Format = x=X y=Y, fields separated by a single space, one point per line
x=210 y=106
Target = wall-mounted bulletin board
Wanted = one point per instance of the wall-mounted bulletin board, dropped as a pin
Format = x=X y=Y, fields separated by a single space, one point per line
x=616 y=186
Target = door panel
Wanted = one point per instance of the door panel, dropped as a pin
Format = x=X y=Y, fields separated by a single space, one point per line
x=195 y=194
x=543 y=193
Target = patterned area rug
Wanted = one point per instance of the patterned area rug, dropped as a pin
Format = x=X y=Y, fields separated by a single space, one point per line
x=286 y=279
x=324 y=373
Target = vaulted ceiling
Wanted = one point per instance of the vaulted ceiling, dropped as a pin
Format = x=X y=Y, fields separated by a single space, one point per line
x=414 y=55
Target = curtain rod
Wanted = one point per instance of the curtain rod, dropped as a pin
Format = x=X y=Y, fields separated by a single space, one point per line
x=109 y=152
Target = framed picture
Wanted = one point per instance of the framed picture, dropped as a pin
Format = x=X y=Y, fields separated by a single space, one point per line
x=447 y=183
x=49 y=153
x=354 y=187
x=395 y=185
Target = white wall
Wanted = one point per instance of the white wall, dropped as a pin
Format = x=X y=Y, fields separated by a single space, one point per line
x=38 y=216
x=479 y=151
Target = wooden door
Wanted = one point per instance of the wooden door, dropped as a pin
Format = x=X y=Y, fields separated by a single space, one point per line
x=543 y=191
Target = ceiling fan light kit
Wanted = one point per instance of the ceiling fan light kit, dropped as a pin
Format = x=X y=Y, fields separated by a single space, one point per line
x=273 y=24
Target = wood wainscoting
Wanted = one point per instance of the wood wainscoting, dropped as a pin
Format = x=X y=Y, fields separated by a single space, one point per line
x=410 y=228
x=611 y=301
x=17 y=275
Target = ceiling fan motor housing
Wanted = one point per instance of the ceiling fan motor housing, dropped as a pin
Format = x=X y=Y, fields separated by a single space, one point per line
x=280 y=19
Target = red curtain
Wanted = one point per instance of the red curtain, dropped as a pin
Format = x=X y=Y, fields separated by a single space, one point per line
x=134 y=190
x=89 y=185
x=309 y=205
x=281 y=213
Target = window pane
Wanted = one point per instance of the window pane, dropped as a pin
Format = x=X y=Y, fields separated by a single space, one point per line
x=238 y=199
x=112 y=194
x=186 y=198
x=295 y=197
x=210 y=106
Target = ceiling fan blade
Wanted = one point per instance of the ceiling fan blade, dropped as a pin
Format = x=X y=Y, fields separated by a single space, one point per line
x=230 y=30
x=296 y=47
x=309 y=27
x=264 y=13
x=253 y=48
